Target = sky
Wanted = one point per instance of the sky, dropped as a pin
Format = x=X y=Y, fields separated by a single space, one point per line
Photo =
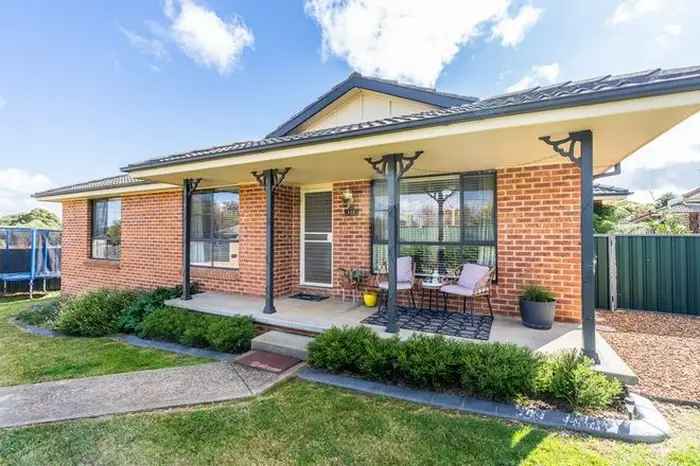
x=87 y=87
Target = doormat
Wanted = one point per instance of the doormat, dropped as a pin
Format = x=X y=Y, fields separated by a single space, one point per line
x=309 y=297
x=271 y=362
x=454 y=324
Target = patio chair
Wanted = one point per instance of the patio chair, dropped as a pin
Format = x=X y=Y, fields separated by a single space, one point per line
x=474 y=282
x=405 y=280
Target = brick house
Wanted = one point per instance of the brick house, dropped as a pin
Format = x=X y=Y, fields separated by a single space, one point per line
x=505 y=181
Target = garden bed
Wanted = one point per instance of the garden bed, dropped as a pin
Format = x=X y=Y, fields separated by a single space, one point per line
x=668 y=367
x=106 y=313
x=647 y=425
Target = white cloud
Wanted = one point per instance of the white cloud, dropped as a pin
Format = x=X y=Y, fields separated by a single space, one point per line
x=16 y=188
x=669 y=163
x=629 y=10
x=205 y=37
x=670 y=32
x=411 y=40
x=539 y=75
x=149 y=46
x=511 y=29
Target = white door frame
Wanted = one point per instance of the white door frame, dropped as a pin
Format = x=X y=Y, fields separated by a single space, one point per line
x=302 y=249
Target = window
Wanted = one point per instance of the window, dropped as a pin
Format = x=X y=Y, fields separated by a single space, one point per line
x=107 y=228
x=444 y=221
x=214 y=229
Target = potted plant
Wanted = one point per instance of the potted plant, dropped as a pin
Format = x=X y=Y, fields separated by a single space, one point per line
x=354 y=278
x=537 y=307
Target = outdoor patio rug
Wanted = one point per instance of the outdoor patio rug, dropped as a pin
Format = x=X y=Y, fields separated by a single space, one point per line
x=454 y=324
x=270 y=362
x=309 y=297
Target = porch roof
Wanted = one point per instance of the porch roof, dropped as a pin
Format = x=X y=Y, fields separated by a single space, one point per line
x=563 y=95
x=625 y=112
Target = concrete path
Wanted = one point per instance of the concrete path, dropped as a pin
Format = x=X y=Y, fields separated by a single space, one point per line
x=135 y=391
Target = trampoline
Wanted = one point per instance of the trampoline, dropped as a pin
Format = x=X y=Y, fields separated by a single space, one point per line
x=28 y=255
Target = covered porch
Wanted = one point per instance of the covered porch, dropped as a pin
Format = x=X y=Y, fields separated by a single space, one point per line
x=544 y=146
x=315 y=317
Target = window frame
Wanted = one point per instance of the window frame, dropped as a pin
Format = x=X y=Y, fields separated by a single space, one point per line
x=462 y=243
x=93 y=203
x=211 y=239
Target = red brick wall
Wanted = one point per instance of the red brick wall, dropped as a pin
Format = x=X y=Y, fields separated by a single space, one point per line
x=539 y=236
x=538 y=240
x=152 y=245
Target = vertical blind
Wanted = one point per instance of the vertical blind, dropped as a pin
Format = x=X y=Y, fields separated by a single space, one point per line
x=444 y=221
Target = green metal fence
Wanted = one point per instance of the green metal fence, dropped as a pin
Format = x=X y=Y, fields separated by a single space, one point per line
x=650 y=272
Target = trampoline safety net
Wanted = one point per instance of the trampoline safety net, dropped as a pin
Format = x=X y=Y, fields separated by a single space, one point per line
x=28 y=255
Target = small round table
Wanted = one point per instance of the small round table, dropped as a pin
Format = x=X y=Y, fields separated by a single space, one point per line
x=431 y=287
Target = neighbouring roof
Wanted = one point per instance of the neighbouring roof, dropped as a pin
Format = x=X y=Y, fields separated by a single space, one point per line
x=693 y=195
x=605 y=190
x=120 y=181
x=568 y=94
x=385 y=86
x=685 y=208
x=686 y=203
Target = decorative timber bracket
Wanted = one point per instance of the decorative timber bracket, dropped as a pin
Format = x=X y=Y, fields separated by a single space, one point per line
x=567 y=147
x=191 y=185
x=277 y=176
x=404 y=162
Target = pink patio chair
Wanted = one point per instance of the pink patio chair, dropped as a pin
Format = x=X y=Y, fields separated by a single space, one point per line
x=474 y=282
x=405 y=279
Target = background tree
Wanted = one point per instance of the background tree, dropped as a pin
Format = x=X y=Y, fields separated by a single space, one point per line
x=35 y=218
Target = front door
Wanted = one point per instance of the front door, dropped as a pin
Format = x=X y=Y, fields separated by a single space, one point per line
x=317 y=238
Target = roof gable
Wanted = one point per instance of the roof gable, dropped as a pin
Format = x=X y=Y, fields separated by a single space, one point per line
x=357 y=81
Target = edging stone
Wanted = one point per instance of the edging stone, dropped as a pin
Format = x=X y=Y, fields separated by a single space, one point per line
x=649 y=426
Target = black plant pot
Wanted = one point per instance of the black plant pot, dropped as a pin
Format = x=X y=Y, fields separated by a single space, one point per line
x=537 y=314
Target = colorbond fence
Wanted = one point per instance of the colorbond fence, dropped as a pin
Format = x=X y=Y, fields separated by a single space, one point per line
x=648 y=272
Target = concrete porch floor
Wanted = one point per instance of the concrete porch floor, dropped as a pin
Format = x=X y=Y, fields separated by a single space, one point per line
x=315 y=317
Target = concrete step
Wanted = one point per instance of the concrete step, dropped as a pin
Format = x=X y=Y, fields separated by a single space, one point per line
x=287 y=344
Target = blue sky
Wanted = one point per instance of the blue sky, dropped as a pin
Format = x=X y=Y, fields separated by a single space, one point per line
x=86 y=87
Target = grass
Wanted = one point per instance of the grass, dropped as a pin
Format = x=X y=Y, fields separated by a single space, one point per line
x=303 y=423
x=26 y=358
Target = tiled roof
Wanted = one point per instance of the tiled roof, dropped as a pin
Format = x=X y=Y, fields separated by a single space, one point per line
x=120 y=181
x=567 y=94
x=685 y=208
x=607 y=190
x=357 y=81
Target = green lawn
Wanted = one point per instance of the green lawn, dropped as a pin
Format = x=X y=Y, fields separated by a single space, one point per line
x=304 y=423
x=26 y=358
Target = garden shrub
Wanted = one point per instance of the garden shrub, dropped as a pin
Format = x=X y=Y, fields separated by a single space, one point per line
x=488 y=370
x=500 y=371
x=144 y=304
x=568 y=377
x=230 y=334
x=380 y=360
x=432 y=361
x=93 y=314
x=342 y=350
x=40 y=314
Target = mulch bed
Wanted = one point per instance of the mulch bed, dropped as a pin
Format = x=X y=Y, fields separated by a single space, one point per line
x=662 y=349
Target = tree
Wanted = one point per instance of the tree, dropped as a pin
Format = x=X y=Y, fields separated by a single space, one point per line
x=35 y=218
